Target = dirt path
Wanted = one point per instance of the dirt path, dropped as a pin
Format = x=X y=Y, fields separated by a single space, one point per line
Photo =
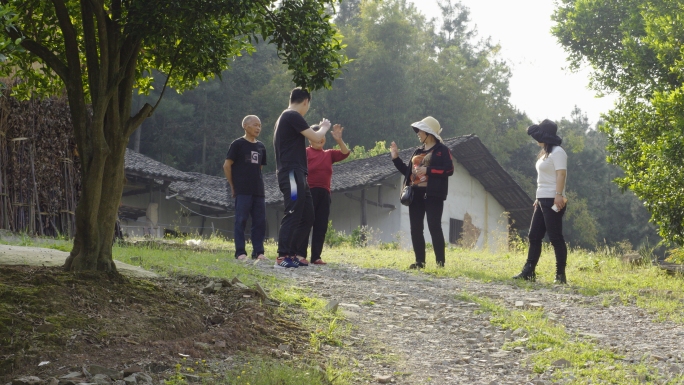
x=413 y=324
x=38 y=256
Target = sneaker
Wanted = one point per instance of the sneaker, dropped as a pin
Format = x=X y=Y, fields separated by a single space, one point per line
x=319 y=262
x=241 y=257
x=285 y=262
x=414 y=266
x=302 y=261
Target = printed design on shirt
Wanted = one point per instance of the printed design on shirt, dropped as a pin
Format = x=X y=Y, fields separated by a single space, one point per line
x=255 y=157
x=293 y=186
x=418 y=161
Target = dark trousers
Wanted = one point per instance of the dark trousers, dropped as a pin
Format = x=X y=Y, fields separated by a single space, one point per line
x=321 y=203
x=299 y=211
x=246 y=206
x=546 y=221
x=419 y=208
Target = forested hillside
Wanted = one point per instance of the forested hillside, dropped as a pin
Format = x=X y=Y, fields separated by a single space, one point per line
x=404 y=68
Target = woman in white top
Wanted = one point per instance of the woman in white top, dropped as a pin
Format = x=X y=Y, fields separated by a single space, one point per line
x=550 y=204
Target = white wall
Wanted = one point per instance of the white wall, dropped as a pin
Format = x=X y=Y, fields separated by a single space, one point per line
x=466 y=195
x=345 y=212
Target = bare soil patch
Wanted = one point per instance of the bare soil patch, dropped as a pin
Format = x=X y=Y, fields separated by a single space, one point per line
x=75 y=319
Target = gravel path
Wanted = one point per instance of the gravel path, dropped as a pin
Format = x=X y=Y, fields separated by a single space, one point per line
x=418 y=332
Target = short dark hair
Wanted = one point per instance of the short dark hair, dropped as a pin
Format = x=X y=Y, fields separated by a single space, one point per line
x=298 y=95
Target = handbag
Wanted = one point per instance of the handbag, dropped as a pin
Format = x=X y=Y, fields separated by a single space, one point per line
x=406 y=196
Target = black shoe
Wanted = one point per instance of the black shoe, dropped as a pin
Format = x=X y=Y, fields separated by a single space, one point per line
x=560 y=279
x=526 y=276
x=527 y=273
x=414 y=266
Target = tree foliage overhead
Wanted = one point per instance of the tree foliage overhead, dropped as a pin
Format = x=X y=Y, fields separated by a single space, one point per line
x=634 y=48
x=98 y=51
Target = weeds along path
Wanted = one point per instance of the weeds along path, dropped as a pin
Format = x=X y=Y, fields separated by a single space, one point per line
x=426 y=330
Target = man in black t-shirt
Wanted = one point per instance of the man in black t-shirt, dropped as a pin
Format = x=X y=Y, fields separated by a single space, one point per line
x=246 y=156
x=289 y=140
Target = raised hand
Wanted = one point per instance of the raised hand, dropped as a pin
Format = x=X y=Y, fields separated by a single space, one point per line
x=394 y=151
x=337 y=132
x=325 y=125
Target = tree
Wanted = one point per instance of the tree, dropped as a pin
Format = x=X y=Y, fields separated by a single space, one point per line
x=98 y=51
x=634 y=49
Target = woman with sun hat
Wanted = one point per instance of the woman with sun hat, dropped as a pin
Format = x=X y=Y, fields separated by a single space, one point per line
x=427 y=172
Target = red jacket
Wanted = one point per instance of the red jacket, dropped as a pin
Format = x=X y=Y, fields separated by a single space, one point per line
x=320 y=166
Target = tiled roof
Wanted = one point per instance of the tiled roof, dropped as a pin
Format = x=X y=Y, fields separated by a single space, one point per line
x=204 y=189
x=213 y=190
x=142 y=166
x=468 y=150
x=481 y=164
x=363 y=172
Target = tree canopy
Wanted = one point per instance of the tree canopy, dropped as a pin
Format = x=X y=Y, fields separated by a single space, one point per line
x=634 y=49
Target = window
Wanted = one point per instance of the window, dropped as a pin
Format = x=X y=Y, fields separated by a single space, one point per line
x=455 y=230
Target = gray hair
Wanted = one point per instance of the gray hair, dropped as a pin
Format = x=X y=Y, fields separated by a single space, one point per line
x=248 y=119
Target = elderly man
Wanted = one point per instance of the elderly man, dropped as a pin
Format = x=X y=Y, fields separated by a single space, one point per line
x=245 y=159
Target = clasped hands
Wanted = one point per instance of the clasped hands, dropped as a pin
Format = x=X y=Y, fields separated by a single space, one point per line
x=419 y=171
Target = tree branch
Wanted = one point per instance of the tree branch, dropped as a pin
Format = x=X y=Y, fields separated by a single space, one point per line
x=116 y=9
x=125 y=95
x=94 y=72
x=39 y=50
x=135 y=121
x=70 y=41
x=46 y=55
x=103 y=23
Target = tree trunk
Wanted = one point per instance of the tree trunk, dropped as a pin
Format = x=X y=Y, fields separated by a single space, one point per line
x=96 y=214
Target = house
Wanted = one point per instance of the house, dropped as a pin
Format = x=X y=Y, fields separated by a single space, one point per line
x=483 y=199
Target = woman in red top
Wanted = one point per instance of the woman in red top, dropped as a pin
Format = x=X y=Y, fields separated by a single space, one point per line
x=320 y=162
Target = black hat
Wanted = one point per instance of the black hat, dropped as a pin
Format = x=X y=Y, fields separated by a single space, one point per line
x=545 y=132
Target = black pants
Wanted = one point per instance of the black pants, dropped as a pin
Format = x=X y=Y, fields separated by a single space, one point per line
x=421 y=206
x=547 y=221
x=321 y=204
x=299 y=213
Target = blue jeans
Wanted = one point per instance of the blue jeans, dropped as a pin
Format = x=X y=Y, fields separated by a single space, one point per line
x=246 y=206
x=546 y=221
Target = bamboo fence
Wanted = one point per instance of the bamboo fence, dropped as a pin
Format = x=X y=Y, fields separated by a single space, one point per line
x=39 y=168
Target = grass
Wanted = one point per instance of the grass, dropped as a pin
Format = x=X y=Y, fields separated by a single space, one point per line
x=592 y=273
x=260 y=371
x=589 y=363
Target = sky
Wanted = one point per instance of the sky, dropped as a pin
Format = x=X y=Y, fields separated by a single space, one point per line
x=540 y=84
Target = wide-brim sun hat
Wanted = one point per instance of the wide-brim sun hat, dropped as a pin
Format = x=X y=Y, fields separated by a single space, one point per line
x=430 y=126
x=545 y=132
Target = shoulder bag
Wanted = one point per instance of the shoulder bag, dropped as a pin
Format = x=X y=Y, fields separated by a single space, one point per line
x=406 y=196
